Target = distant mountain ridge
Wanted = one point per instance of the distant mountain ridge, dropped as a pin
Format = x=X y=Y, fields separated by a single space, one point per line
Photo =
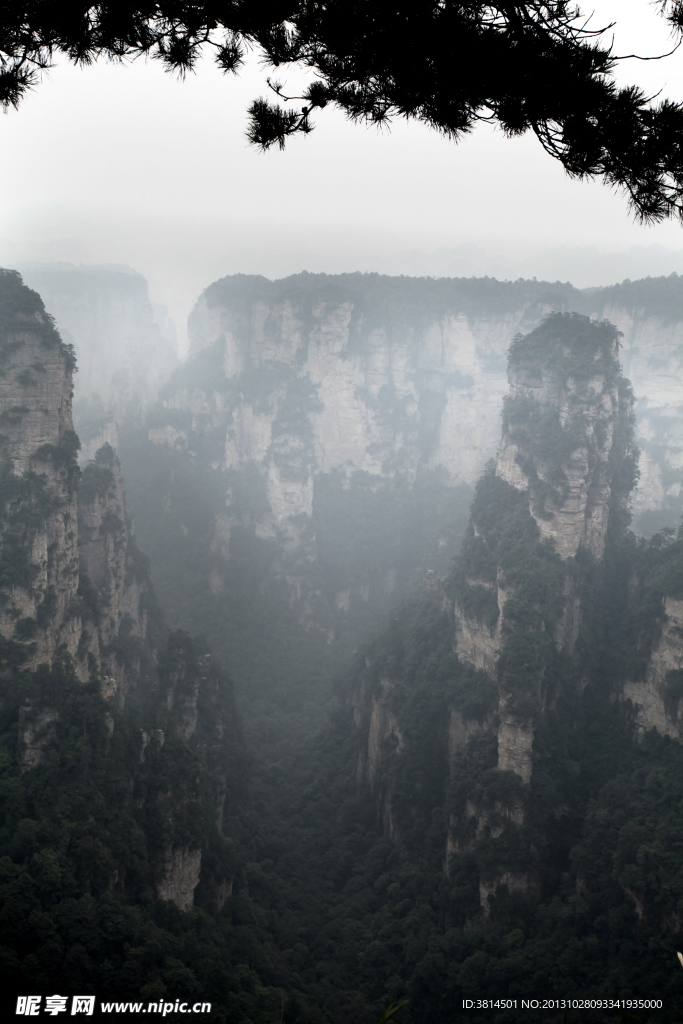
x=585 y=266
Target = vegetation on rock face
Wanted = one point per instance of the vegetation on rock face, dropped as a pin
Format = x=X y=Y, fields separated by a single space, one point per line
x=101 y=488
x=22 y=309
x=570 y=346
x=596 y=915
x=507 y=549
x=26 y=502
x=345 y=904
x=64 y=458
x=394 y=304
x=574 y=357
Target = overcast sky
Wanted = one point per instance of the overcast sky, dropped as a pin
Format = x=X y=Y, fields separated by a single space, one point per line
x=127 y=165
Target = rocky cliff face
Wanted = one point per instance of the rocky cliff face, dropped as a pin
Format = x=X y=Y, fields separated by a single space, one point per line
x=38 y=447
x=80 y=631
x=310 y=410
x=125 y=347
x=654 y=697
x=361 y=386
x=383 y=726
x=71 y=581
x=567 y=452
x=433 y=726
x=198 y=706
x=114 y=577
x=479 y=639
x=313 y=405
x=181 y=877
x=558 y=430
x=404 y=374
x=464 y=711
x=649 y=315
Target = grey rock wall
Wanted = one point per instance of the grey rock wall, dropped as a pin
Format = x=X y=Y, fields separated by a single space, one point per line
x=390 y=391
x=39 y=533
x=566 y=438
x=579 y=516
x=649 y=695
x=117 y=635
x=74 y=590
x=181 y=877
x=390 y=360
x=125 y=347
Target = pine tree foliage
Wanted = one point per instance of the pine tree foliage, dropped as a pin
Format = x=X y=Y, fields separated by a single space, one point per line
x=449 y=64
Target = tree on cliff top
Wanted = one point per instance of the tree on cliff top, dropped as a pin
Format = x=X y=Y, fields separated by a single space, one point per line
x=525 y=66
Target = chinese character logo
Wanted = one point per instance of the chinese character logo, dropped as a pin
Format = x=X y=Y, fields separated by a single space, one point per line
x=55 y=1005
x=83 y=1004
x=28 y=1006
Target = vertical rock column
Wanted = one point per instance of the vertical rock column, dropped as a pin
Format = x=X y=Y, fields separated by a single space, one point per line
x=565 y=466
x=115 y=578
x=39 y=477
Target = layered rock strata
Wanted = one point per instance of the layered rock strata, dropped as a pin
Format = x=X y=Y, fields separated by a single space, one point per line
x=565 y=468
x=71 y=581
x=316 y=394
x=358 y=382
x=537 y=532
x=126 y=348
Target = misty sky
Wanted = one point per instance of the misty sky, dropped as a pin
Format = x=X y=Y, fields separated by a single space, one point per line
x=128 y=165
